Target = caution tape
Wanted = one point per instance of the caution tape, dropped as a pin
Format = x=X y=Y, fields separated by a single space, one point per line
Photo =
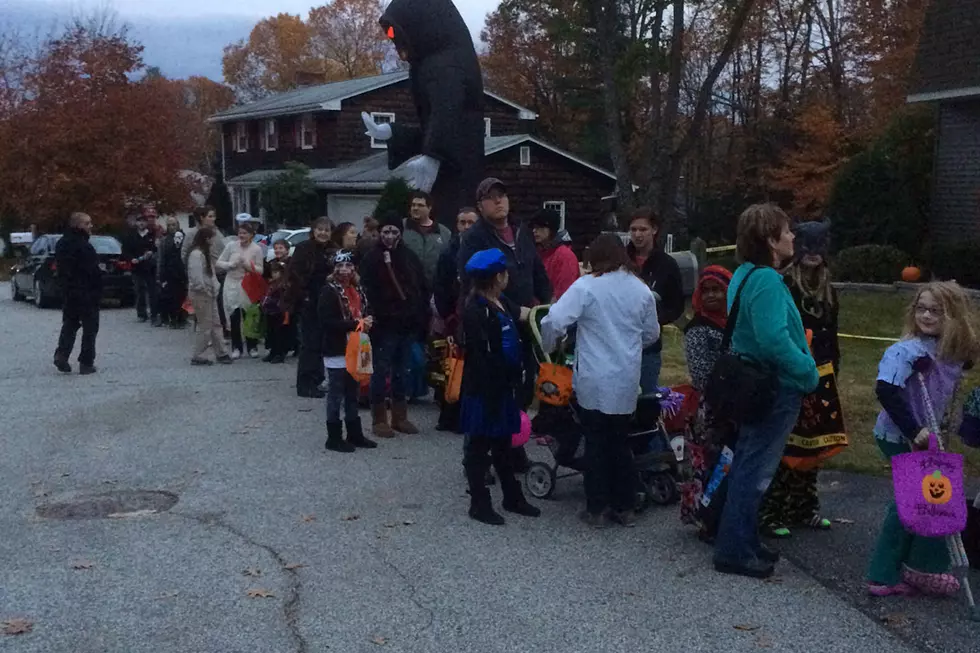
x=849 y=336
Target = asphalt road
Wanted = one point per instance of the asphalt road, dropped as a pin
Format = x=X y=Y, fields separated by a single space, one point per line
x=389 y=560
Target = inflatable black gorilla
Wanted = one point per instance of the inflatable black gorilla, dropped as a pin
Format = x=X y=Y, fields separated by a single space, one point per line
x=444 y=155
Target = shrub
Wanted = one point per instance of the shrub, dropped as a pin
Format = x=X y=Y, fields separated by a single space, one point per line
x=290 y=198
x=869 y=264
x=954 y=261
x=882 y=194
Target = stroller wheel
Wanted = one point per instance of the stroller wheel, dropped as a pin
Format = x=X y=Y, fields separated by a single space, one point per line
x=662 y=488
x=540 y=480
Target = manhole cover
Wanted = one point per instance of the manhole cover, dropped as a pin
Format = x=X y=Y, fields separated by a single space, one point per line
x=121 y=503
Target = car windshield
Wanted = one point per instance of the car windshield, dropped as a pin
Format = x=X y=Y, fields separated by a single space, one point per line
x=102 y=244
x=105 y=245
x=296 y=239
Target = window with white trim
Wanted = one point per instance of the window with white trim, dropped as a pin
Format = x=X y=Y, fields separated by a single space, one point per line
x=241 y=137
x=381 y=119
x=486 y=128
x=270 y=136
x=306 y=128
x=525 y=155
x=558 y=206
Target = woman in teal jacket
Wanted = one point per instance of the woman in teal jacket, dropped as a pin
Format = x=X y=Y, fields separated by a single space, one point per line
x=768 y=330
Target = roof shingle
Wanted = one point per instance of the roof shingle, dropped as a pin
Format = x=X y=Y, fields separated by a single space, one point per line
x=947 y=63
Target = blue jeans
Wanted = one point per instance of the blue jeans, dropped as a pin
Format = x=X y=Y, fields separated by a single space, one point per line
x=650 y=364
x=757 y=454
x=392 y=355
x=342 y=391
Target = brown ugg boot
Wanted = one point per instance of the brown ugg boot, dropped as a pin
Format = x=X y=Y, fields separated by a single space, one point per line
x=399 y=418
x=379 y=414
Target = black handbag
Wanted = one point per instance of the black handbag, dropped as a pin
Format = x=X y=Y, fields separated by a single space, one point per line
x=739 y=389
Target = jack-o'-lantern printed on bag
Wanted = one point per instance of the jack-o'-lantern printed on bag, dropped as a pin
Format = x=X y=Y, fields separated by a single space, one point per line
x=937 y=488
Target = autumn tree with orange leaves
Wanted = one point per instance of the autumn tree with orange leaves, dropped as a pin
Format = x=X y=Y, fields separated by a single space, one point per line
x=82 y=135
x=339 y=40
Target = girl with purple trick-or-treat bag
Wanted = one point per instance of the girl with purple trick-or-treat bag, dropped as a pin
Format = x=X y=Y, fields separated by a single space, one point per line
x=940 y=343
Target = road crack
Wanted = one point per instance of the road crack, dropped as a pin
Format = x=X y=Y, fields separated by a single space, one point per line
x=413 y=595
x=291 y=605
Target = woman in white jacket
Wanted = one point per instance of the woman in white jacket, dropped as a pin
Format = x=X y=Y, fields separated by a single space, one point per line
x=202 y=288
x=616 y=314
x=240 y=257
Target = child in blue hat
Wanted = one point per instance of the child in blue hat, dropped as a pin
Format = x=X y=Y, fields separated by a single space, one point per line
x=492 y=377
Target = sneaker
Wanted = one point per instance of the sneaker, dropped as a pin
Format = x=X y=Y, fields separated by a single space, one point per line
x=225 y=360
x=235 y=355
x=253 y=353
x=268 y=358
x=86 y=369
x=141 y=318
x=932 y=584
x=900 y=589
x=766 y=554
x=593 y=520
x=157 y=322
x=819 y=523
x=201 y=361
x=777 y=532
x=62 y=365
x=277 y=360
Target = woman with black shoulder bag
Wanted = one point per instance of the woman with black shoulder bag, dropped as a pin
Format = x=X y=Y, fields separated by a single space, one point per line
x=760 y=384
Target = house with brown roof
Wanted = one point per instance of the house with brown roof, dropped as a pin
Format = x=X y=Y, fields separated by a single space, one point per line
x=320 y=126
x=947 y=73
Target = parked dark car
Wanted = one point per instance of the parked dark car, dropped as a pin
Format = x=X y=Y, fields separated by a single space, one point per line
x=36 y=277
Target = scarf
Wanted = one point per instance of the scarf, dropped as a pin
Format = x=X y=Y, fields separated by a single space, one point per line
x=720 y=275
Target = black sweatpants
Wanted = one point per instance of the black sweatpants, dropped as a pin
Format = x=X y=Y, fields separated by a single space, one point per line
x=73 y=317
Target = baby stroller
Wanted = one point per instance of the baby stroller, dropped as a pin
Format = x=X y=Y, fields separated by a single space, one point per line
x=657 y=456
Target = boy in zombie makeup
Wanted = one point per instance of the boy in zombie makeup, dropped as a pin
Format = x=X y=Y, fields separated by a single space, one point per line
x=792 y=498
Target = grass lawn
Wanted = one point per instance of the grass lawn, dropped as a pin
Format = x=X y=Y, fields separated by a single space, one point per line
x=866 y=314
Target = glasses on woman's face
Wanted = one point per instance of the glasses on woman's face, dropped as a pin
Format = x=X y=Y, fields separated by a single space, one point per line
x=935 y=311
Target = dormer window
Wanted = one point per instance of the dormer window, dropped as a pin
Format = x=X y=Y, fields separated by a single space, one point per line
x=486 y=128
x=307 y=131
x=525 y=155
x=270 y=136
x=241 y=137
x=381 y=119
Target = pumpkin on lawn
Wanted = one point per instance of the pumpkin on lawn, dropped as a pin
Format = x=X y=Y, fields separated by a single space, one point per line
x=911 y=274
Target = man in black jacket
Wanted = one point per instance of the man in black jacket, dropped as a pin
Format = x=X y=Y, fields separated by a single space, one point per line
x=78 y=269
x=394 y=284
x=529 y=284
x=140 y=248
x=660 y=271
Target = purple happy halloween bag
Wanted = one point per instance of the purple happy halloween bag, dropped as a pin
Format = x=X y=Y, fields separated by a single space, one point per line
x=929 y=491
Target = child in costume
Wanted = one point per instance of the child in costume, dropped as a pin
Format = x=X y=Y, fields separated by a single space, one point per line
x=940 y=343
x=703 y=338
x=792 y=498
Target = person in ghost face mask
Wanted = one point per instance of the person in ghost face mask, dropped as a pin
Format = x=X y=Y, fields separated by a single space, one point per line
x=394 y=283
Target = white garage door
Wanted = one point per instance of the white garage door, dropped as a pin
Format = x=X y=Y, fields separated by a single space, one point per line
x=350 y=208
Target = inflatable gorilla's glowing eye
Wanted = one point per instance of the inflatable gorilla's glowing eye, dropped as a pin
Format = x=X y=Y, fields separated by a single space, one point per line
x=391 y=32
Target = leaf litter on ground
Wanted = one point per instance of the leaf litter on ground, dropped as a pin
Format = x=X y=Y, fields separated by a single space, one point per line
x=252 y=571
x=17 y=626
x=82 y=564
x=259 y=593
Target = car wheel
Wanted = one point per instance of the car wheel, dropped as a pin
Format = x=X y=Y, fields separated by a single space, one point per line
x=15 y=290
x=39 y=299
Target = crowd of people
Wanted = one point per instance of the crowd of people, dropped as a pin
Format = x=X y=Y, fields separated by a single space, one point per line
x=406 y=280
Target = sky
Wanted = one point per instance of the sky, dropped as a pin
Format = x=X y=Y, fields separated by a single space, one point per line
x=186 y=37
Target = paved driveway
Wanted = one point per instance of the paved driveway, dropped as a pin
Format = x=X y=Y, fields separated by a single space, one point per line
x=370 y=551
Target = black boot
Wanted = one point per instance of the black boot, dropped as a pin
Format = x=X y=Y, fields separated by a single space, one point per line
x=355 y=435
x=514 y=500
x=335 y=438
x=481 y=508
